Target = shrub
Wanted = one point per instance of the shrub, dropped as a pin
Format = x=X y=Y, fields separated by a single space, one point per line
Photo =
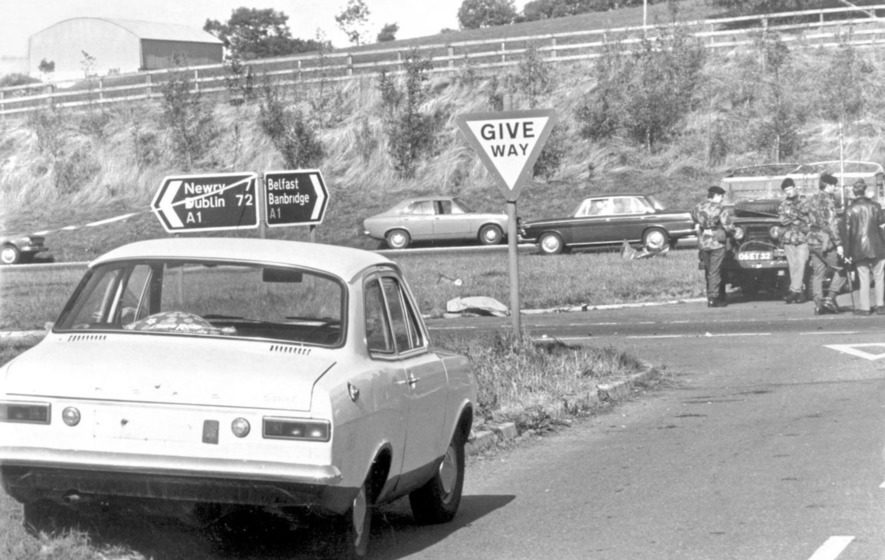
x=189 y=121
x=288 y=130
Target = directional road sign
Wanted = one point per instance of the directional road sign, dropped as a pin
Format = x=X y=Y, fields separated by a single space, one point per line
x=295 y=197
x=221 y=201
x=509 y=143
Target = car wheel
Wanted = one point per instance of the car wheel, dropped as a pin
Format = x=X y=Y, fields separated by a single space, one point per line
x=358 y=525
x=10 y=254
x=655 y=239
x=550 y=243
x=438 y=500
x=398 y=239
x=490 y=234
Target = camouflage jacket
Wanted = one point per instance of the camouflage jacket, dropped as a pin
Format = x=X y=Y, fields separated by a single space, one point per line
x=824 y=226
x=793 y=213
x=712 y=223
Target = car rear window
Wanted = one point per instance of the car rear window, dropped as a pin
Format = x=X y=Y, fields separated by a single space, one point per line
x=192 y=298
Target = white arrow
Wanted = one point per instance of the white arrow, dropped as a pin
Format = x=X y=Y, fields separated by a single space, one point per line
x=167 y=207
x=320 y=196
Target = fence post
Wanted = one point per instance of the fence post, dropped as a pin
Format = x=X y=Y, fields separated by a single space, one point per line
x=451 y=53
x=196 y=80
x=349 y=64
x=553 y=44
x=503 y=52
x=101 y=89
x=147 y=86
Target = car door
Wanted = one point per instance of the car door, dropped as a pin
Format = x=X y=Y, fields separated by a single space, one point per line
x=423 y=378
x=593 y=221
x=419 y=218
x=630 y=214
x=450 y=221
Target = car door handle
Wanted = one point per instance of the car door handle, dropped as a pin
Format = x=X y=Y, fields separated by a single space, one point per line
x=411 y=381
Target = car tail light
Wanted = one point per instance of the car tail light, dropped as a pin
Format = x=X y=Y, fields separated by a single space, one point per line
x=70 y=416
x=240 y=427
x=293 y=428
x=26 y=413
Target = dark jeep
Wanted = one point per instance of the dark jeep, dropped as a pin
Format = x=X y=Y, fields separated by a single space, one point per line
x=755 y=260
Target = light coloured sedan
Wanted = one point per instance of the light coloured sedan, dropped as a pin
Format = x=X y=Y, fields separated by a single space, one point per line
x=204 y=375
x=435 y=218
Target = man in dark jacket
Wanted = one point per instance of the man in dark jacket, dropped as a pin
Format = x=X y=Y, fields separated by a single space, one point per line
x=865 y=247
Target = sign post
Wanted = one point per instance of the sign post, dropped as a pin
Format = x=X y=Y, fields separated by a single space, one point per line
x=509 y=144
x=222 y=201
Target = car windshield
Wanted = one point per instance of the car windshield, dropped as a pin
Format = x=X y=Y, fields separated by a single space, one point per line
x=194 y=298
x=656 y=204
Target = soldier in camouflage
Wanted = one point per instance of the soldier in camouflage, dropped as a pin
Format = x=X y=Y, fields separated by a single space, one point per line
x=825 y=245
x=712 y=224
x=793 y=215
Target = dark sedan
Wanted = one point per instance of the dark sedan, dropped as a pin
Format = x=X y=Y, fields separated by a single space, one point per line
x=20 y=249
x=611 y=220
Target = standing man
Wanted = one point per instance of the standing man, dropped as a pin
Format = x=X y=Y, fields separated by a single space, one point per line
x=712 y=224
x=825 y=245
x=865 y=247
x=793 y=215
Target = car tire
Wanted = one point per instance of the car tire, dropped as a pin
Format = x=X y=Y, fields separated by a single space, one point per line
x=398 y=239
x=490 y=234
x=10 y=254
x=354 y=539
x=655 y=239
x=550 y=243
x=438 y=500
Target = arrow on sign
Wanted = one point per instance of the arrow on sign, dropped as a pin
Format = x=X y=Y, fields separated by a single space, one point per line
x=167 y=207
x=509 y=143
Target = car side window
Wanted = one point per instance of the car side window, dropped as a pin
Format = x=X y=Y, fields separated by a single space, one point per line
x=378 y=337
x=423 y=208
x=402 y=316
x=445 y=206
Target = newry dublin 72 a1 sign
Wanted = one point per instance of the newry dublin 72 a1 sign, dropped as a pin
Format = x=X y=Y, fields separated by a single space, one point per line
x=219 y=201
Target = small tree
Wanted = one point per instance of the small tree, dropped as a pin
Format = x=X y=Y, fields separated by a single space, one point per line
x=474 y=14
x=46 y=67
x=846 y=78
x=289 y=130
x=353 y=20
x=253 y=33
x=388 y=32
x=189 y=122
x=411 y=134
x=534 y=77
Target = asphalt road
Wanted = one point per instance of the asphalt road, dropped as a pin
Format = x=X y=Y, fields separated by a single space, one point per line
x=766 y=441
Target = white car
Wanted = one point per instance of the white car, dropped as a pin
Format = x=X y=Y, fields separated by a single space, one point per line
x=237 y=372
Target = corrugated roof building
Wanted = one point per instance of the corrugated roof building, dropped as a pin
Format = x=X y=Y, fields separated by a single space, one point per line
x=116 y=46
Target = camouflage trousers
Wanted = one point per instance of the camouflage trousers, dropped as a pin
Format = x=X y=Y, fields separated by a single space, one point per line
x=821 y=263
x=712 y=260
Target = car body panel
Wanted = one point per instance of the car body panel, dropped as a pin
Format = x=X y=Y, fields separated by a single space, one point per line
x=610 y=220
x=438 y=218
x=157 y=407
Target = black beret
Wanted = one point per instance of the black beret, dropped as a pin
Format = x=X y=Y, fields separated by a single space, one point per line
x=787 y=183
x=828 y=179
x=859 y=187
x=715 y=189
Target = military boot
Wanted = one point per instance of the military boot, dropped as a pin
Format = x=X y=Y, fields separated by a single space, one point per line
x=829 y=304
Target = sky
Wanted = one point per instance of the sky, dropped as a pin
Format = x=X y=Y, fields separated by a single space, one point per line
x=416 y=18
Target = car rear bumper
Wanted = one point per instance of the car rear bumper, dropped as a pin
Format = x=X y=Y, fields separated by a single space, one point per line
x=30 y=475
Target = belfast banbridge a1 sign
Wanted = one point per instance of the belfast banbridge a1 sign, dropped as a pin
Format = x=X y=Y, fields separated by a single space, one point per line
x=295 y=197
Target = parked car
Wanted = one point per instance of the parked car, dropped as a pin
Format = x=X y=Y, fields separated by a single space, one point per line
x=611 y=220
x=435 y=218
x=237 y=372
x=20 y=248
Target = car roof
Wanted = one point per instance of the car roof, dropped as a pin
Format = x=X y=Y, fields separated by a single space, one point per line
x=344 y=262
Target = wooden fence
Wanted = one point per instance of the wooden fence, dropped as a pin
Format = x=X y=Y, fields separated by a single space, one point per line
x=827 y=28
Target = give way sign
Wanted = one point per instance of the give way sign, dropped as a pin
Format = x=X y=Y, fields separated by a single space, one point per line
x=509 y=143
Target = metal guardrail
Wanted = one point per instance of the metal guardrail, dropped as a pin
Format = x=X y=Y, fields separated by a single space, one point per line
x=830 y=28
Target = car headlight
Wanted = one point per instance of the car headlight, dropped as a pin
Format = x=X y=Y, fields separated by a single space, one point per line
x=775 y=232
x=24 y=412
x=739 y=233
x=298 y=429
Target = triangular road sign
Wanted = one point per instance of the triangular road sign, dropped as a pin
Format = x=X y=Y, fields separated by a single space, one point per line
x=509 y=143
x=857 y=350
